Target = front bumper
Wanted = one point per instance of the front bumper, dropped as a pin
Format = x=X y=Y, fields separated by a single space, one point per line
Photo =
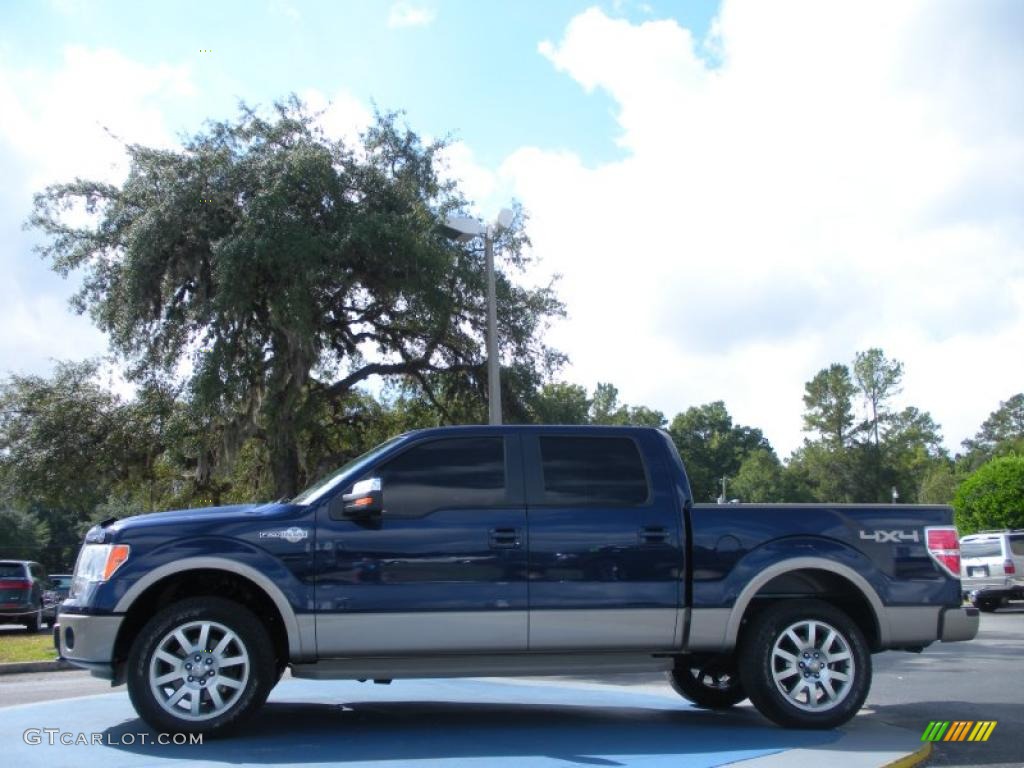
x=958 y=624
x=88 y=641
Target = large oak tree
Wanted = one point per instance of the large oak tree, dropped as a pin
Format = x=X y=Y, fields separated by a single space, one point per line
x=277 y=268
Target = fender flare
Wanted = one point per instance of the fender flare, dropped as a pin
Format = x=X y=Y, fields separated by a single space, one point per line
x=798 y=564
x=296 y=649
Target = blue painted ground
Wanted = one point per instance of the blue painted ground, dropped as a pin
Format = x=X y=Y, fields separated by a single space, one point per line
x=433 y=722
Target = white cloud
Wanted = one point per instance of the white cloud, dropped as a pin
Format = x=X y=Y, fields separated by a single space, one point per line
x=286 y=9
x=342 y=116
x=57 y=122
x=55 y=128
x=42 y=322
x=478 y=183
x=841 y=177
x=410 y=15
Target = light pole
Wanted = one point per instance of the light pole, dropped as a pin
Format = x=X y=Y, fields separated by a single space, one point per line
x=464 y=228
x=493 y=369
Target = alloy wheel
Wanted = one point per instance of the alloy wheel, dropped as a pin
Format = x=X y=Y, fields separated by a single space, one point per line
x=198 y=670
x=812 y=665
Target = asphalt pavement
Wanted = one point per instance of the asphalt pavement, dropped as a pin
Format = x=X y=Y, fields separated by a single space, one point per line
x=980 y=680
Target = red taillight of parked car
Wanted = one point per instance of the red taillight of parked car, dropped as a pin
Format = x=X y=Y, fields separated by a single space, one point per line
x=1009 y=568
x=12 y=584
x=944 y=547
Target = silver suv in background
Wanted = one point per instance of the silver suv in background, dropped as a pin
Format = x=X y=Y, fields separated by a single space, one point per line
x=992 y=568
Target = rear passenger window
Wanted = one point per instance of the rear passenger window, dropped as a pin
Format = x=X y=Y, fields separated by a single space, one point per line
x=593 y=471
x=1017 y=545
x=444 y=474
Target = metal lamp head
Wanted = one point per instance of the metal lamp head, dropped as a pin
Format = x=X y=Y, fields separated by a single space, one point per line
x=462 y=228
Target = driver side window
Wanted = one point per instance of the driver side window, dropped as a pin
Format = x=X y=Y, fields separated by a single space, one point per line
x=463 y=472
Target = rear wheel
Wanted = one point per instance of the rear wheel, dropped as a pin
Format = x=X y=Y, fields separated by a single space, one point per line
x=987 y=604
x=200 y=666
x=35 y=620
x=708 y=682
x=805 y=664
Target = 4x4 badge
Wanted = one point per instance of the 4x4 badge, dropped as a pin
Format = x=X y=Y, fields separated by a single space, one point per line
x=885 y=537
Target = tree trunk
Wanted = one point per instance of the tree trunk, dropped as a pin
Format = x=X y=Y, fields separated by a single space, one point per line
x=874 y=419
x=284 y=456
x=288 y=379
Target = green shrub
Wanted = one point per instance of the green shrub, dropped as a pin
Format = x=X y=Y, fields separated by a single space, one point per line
x=992 y=496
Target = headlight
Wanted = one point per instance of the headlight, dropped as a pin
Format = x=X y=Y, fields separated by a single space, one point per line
x=96 y=563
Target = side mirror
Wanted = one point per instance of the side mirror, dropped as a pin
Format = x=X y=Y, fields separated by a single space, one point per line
x=365 y=500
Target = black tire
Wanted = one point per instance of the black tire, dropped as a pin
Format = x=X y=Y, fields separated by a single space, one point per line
x=33 y=622
x=708 y=682
x=987 y=604
x=765 y=646
x=241 y=700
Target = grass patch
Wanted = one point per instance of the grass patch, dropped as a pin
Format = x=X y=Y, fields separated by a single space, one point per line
x=25 y=647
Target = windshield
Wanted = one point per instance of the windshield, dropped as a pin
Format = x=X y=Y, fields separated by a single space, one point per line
x=981 y=548
x=326 y=484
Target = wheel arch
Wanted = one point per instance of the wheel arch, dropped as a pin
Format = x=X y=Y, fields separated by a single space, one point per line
x=300 y=643
x=798 y=567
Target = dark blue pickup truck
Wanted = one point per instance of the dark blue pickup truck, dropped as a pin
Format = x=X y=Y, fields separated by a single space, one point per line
x=514 y=550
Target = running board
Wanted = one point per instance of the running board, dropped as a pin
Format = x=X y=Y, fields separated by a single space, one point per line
x=507 y=665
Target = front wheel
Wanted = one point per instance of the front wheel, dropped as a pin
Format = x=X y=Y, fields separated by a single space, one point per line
x=708 y=682
x=202 y=665
x=805 y=664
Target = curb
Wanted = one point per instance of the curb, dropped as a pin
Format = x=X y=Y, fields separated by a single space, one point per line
x=861 y=744
x=34 y=666
x=912 y=759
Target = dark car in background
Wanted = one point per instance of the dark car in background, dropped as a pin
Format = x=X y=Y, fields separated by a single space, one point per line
x=56 y=592
x=22 y=583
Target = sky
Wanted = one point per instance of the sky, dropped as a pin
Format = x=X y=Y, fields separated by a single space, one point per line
x=734 y=194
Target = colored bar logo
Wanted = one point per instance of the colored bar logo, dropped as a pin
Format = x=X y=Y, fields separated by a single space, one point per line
x=959 y=730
